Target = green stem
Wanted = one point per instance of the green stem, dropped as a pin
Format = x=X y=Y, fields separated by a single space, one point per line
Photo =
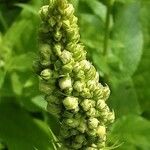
x=106 y=36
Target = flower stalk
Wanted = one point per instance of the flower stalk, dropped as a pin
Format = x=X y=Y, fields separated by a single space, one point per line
x=70 y=82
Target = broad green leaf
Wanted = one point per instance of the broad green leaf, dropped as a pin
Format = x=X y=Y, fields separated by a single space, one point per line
x=98 y=8
x=134 y=131
x=123 y=97
x=127 y=31
x=141 y=77
x=91 y=26
x=21 y=132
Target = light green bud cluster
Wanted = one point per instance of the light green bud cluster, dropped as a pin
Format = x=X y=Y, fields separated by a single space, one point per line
x=70 y=82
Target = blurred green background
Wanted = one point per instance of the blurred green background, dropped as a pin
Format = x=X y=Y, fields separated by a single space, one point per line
x=124 y=66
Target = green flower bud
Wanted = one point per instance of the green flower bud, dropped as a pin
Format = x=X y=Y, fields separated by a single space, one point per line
x=64 y=132
x=58 y=36
x=92 y=133
x=85 y=65
x=67 y=68
x=69 y=10
x=65 y=83
x=98 y=92
x=91 y=112
x=77 y=67
x=82 y=127
x=46 y=88
x=52 y=3
x=92 y=85
x=67 y=114
x=66 y=24
x=105 y=113
x=57 y=49
x=72 y=122
x=79 y=55
x=106 y=92
x=96 y=77
x=101 y=131
x=87 y=104
x=76 y=145
x=86 y=93
x=46 y=74
x=90 y=74
x=74 y=132
x=44 y=11
x=93 y=123
x=101 y=104
x=45 y=53
x=66 y=57
x=80 y=139
x=54 y=109
x=70 y=103
x=80 y=75
x=78 y=86
x=111 y=117
x=57 y=65
x=52 y=99
x=52 y=21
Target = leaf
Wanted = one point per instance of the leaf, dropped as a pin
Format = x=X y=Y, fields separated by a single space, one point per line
x=98 y=8
x=91 y=26
x=134 y=131
x=16 y=84
x=127 y=31
x=141 y=77
x=21 y=132
x=22 y=62
x=123 y=98
x=27 y=7
x=40 y=102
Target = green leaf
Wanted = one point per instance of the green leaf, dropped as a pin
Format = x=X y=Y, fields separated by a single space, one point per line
x=123 y=98
x=133 y=131
x=141 y=77
x=91 y=26
x=21 y=132
x=40 y=102
x=22 y=62
x=98 y=8
x=27 y=7
x=128 y=32
x=16 y=84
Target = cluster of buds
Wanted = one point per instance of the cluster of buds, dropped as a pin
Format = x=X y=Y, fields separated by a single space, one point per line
x=70 y=82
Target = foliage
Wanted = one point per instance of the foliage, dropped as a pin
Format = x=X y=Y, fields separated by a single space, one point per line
x=24 y=121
